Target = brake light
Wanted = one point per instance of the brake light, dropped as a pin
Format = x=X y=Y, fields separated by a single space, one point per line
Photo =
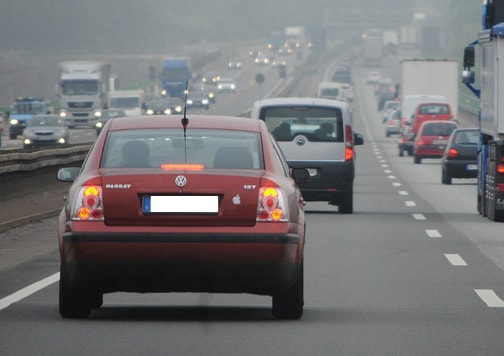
x=420 y=142
x=348 y=143
x=500 y=168
x=89 y=204
x=272 y=205
x=452 y=153
x=182 y=167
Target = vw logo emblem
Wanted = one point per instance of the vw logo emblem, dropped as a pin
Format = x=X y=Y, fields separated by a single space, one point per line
x=300 y=140
x=180 y=181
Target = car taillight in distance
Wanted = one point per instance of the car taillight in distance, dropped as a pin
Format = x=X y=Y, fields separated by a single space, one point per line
x=89 y=204
x=272 y=206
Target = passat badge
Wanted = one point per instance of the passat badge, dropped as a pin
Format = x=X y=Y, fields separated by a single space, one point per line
x=180 y=181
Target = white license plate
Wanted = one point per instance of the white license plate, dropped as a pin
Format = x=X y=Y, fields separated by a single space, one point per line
x=312 y=171
x=472 y=167
x=181 y=204
x=439 y=142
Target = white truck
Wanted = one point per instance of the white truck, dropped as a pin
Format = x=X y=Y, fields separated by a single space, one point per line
x=408 y=36
x=372 y=51
x=490 y=45
x=429 y=76
x=390 y=42
x=294 y=36
x=131 y=101
x=82 y=90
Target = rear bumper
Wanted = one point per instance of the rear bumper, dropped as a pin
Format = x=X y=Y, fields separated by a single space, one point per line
x=459 y=168
x=331 y=181
x=223 y=263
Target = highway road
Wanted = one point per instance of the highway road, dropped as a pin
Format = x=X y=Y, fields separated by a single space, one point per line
x=414 y=271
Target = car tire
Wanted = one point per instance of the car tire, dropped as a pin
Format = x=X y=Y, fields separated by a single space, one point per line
x=12 y=136
x=289 y=305
x=346 y=204
x=446 y=178
x=417 y=159
x=401 y=152
x=72 y=303
x=387 y=134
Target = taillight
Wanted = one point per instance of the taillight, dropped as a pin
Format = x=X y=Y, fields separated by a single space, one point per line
x=272 y=205
x=348 y=143
x=89 y=204
x=500 y=168
x=452 y=153
x=420 y=142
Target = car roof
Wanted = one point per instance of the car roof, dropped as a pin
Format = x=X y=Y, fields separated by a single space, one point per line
x=195 y=121
x=302 y=101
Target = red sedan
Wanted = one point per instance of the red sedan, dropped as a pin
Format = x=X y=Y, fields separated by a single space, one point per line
x=167 y=205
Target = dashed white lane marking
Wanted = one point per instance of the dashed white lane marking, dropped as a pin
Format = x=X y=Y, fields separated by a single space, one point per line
x=455 y=259
x=419 y=217
x=391 y=177
x=387 y=171
x=490 y=298
x=433 y=233
x=410 y=203
x=27 y=291
x=403 y=192
x=384 y=165
x=396 y=184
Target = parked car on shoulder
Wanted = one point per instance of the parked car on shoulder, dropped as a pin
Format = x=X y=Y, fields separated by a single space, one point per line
x=207 y=205
x=432 y=138
x=460 y=155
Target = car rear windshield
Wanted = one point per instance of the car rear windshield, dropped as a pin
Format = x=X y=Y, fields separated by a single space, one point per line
x=200 y=149
x=319 y=124
x=434 y=109
x=438 y=129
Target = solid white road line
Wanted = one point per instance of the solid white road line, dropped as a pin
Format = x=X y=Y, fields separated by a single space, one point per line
x=27 y=291
x=433 y=233
x=455 y=259
x=490 y=298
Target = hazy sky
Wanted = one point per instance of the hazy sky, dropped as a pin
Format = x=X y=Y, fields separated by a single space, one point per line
x=135 y=26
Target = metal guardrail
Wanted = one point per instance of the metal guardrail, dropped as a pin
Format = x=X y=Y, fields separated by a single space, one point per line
x=25 y=161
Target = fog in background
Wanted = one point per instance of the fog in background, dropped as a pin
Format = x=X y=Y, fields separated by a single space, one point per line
x=157 y=26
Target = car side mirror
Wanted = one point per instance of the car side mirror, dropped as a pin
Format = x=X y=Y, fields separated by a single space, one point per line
x=358 y=139
x=68 y=174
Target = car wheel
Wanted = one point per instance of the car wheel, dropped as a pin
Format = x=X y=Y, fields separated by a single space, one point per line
x=71 y=126
x=12 y=136
x=72 y=303
x=446 y=177
x=417 y=159
x=387 y=134
x=401 y=152
x=289 y=305
x=346 y=205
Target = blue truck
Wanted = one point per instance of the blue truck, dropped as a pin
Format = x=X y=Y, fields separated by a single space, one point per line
x=175 y=74
x=21 y=111
x=490 y=49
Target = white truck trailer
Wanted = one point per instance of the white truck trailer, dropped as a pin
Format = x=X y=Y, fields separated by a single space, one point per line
x=490 y=45
x=429 y=77
x=372 y=51
x=82 y=90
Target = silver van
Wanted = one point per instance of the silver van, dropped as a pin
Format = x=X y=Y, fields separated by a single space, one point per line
x=315 y=134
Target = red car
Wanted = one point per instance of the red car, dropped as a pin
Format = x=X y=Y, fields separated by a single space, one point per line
x=431 y=140
x=165 y=205
x=431 y=111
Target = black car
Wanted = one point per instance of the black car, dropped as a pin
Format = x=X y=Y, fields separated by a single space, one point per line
x=460 y=155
